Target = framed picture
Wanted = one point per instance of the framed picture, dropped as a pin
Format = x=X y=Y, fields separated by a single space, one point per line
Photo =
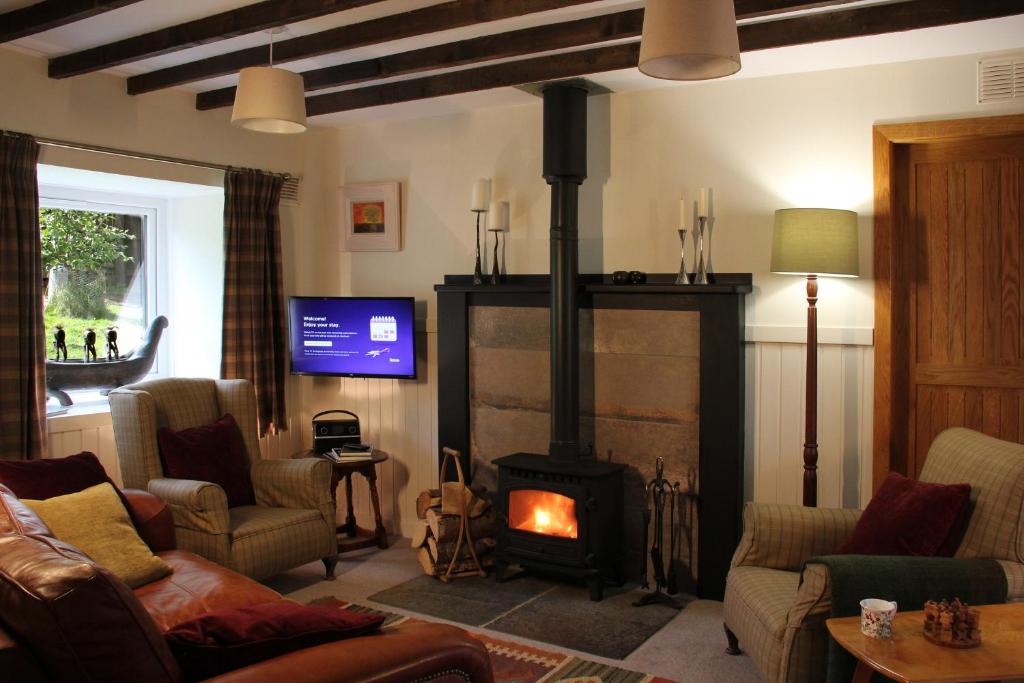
x=372 y=216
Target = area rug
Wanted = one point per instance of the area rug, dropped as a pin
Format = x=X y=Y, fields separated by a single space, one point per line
x=516 y=663
x=538 y=609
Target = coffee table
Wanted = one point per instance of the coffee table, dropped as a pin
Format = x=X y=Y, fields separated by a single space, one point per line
x=909 y=658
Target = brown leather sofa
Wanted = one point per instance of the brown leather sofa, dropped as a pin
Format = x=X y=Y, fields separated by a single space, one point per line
x=62 y=617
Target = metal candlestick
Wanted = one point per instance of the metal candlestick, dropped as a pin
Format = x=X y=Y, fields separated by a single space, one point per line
x=478 y=272
x=683 y=278
x=495 y=270
x=700 y=276
x=710 y=271
x=504 y=248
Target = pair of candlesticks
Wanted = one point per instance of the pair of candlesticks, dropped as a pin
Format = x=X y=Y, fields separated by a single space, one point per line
x=703 y=272
x=498 y=272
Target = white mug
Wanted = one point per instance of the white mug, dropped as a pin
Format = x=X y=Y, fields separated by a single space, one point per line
x=876 y=617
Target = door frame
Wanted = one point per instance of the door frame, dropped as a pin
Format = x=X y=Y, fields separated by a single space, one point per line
x=891 y=273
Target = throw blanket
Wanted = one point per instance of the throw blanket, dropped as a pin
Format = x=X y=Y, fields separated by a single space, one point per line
x=910 y=582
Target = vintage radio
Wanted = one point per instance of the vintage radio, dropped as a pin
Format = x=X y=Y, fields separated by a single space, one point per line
x=335 y=432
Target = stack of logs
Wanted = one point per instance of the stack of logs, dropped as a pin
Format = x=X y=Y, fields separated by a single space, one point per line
x=437 y=536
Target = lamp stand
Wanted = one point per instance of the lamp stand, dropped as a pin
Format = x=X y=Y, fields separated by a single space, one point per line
x=811 y=409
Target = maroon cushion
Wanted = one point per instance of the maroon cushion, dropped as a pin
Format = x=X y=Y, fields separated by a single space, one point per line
x=51 y=477
x=213 y=453
x=229 y=639
x=909 y=517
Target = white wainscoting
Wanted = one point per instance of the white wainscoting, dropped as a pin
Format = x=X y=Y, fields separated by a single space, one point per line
x=400 y=417
x=776 y=373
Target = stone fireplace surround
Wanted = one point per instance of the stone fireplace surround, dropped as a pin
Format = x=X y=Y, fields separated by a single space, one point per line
x=661 y=369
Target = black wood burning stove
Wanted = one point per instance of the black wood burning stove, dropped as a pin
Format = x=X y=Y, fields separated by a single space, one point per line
x=561 y=512
x=561 y=517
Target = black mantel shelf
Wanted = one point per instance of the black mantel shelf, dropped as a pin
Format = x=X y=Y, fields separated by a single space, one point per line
x=657 y=283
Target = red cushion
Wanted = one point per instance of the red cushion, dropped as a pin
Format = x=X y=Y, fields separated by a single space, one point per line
x=229 y=639
x=213 y=453
x=909 y=517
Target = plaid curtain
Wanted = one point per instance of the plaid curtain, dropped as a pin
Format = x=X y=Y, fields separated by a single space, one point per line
x=254 y=346
x=22 y=350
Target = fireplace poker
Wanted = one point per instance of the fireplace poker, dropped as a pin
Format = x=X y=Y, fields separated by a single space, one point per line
x=672 y=583
x=643 y=549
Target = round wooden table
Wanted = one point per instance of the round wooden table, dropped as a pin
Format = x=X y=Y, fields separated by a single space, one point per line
x=349 y=529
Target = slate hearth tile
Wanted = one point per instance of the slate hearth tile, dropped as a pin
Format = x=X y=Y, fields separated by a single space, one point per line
x=656 y=333
x=471 y=600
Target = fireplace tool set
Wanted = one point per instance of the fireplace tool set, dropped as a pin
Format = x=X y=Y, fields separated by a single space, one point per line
x=659 y=495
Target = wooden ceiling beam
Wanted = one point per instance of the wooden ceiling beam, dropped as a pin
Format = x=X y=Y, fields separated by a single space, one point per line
x=528 y=41
x=51 y=14
x=236 y=22
x=447 y=15
x=860 y=21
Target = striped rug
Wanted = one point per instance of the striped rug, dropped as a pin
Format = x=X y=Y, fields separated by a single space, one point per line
x=516 y=663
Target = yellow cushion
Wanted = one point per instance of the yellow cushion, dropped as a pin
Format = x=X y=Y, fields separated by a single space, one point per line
x=96 y=522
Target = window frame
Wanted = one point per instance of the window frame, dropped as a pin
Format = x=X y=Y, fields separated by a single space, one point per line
x=155 y=213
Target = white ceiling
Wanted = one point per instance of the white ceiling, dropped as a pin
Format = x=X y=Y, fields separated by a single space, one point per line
x=976 y=37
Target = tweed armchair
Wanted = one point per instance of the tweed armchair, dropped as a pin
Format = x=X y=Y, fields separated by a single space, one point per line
x=779 y=621
x=293 y=521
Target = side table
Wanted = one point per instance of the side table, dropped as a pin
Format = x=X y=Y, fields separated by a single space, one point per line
x=349 y=529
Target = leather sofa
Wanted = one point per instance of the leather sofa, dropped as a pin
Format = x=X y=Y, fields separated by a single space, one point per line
x=62 y=617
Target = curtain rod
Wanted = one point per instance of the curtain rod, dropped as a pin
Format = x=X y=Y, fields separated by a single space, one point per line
x=113 y=151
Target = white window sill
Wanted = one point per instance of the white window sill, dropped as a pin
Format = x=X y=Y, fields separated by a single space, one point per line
x=81 y=415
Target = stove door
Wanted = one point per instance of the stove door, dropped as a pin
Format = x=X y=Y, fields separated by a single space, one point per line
x=544 y=524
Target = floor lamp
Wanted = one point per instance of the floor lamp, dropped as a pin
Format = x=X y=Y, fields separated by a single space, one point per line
x=813 y=243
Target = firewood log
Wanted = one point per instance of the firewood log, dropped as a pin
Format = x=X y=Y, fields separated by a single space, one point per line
x=419 y=537
x=426 y=500
x=430 y=568
x=444 y=551
x=446 y=527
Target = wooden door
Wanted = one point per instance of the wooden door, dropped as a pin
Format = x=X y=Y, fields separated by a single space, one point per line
x=959 y=203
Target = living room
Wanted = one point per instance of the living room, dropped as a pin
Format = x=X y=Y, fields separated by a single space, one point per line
x=828 y=99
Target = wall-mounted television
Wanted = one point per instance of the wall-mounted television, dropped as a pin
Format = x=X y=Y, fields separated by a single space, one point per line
x=353 y=336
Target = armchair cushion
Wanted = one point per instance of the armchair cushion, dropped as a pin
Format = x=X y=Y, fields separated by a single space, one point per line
x=908 y=517
x=214 y=452
x=303 y=483
x=229 y=639
x=95 y=521
x=785 y=536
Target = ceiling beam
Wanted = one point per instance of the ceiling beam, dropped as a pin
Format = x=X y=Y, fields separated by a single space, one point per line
x=50 y=14
x=447 y=15
x=528 y=41
x=869 y=20
x=236 y=22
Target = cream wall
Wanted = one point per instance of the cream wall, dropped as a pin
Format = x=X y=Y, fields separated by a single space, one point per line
x=762 y=143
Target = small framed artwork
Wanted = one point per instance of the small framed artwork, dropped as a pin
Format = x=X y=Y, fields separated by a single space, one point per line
x=371 y=216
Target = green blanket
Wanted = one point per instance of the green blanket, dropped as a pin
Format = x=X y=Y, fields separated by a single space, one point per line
x=910 y=582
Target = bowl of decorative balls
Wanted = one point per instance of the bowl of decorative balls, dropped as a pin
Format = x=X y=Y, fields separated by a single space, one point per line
x=952 y=624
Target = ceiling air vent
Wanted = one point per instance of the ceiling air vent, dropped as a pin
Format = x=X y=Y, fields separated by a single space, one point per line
x=290 y=191
x=1001 y=78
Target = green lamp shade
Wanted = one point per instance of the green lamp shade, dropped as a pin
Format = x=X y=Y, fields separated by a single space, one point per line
x=815 y=242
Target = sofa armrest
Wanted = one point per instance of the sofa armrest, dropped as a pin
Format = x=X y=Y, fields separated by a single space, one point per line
x=302 y=483
x=197 y=505
x=152 y=518
x=434 y=652
x=17 y=663
x=785 y=536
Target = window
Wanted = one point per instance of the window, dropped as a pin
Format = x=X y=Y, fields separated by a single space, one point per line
x=100 y=263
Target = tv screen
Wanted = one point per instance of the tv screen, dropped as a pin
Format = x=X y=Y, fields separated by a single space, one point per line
x=353 y=336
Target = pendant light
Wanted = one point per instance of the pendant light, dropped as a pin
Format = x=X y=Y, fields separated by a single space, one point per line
x=270 y=100
x=689 y=40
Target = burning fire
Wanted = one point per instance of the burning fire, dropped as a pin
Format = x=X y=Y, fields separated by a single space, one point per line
x=542 y=512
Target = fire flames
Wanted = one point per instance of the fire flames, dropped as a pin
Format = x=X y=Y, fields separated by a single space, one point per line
x=542 y=512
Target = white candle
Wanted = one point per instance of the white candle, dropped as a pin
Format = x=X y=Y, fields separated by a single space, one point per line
x=481 y=194
x=682 y=212
x=497 y=216
x=702 y=203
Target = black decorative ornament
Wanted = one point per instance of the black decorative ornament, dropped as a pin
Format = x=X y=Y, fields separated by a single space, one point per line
x=620 y=277
x=637 y=277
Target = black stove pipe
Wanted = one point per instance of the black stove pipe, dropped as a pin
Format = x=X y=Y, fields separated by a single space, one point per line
x=565 y=169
